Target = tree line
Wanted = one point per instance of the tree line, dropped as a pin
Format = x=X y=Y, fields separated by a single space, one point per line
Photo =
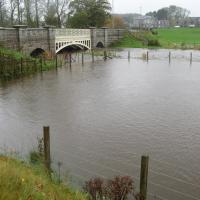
x=174 y=14
x=58 y=13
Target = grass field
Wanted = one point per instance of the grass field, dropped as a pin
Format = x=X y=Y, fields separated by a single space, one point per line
x=25 y=182
x=177 y=38
x=179 y=35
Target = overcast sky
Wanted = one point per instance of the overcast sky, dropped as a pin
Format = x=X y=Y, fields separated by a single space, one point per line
x=136 y=6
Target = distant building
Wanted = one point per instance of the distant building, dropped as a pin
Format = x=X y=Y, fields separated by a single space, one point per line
x=195 y=21
x=144 y=22
x=163 y=23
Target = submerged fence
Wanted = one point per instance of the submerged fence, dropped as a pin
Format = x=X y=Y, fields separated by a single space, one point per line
x=11 y=67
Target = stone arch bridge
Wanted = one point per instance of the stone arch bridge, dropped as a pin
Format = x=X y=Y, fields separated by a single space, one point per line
x=32 y=40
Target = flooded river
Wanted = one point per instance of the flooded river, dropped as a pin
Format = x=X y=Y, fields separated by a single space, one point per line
x=105 y=115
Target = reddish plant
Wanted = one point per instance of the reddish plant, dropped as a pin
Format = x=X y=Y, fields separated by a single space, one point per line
x=118 y=188
x=95 y=188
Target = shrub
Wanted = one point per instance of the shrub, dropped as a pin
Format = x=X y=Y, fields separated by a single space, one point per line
x=118 y=188
x=154 y=32
x=153 y=42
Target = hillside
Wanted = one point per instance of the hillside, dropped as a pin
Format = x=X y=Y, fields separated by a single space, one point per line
x=174 y=38
x=23 y=182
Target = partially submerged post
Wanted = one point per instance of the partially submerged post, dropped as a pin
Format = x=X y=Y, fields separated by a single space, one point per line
x=47 y=157
x=70 y=60
x=92 y=55
x=82 y=58
x=191 y=58
x=56 y=61
x=170 y=57
x=105 y=55
x=144 y=177
x=129 y=55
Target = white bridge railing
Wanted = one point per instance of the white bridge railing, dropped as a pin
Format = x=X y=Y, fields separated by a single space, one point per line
x=69 y=37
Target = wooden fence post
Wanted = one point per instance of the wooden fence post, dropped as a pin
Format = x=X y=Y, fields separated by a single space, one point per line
x=70 y=60
x=105 y=55
x=144 y=177
x=170 y=57
x=92 y=55
x=47 y=157
x=41 y=64
x=56 y=61
x=21 y=63
x=129 y=55
x=82 y=58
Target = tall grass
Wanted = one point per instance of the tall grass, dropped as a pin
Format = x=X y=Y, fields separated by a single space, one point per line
x=25 y=182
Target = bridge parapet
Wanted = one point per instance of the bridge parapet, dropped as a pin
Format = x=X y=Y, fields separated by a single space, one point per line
x=70 y=37
x=72 y=32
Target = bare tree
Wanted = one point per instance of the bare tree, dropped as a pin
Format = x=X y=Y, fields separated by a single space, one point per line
x=36 y=13
x=27 y=6
x=13 y=6
x=2 y=12
x=61 y=11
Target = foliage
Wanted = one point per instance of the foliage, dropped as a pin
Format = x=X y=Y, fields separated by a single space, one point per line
x=36 y=157
x=115 y=22
x=118 y=188
x=34 y=13
x=50 y=17
x=88 y=13
x=14 y=64
x=25 y=182
x=175 y=14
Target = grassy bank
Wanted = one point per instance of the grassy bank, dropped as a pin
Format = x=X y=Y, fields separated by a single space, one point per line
x=175 y=38
x=24 y=182
x=15 y=64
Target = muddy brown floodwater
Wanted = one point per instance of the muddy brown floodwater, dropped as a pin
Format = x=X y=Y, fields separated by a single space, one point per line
x=105 y=115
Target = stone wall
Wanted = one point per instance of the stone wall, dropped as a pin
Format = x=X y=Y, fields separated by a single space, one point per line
x=29 y=39
x=105 y=36
x=8 y=38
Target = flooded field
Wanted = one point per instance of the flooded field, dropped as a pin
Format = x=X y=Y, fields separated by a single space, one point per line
x=105 y=115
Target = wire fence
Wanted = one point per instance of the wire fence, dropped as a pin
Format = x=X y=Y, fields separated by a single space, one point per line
x=77 y=164
x=147 y=55
x=161 y=185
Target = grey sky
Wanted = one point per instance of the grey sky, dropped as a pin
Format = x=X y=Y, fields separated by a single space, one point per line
x=135 y=6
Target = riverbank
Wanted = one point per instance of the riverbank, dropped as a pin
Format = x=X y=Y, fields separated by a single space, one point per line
x=19 y=180
x=14 y=64
x=171 y=38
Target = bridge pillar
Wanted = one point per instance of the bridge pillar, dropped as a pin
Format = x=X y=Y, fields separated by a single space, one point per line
x=93 y=32
x=50 y=38
x=105 y=32
x=19 y=38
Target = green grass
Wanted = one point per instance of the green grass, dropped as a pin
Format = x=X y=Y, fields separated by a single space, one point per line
x=14 y=64
x=20 y=181
x=187 y=36
x=128 y=41
x=177 y=38
x=12 y=53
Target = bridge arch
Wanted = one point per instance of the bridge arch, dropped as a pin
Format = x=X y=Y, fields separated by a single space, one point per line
x=37 y=52
x=80 y=45
x=100 y=44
